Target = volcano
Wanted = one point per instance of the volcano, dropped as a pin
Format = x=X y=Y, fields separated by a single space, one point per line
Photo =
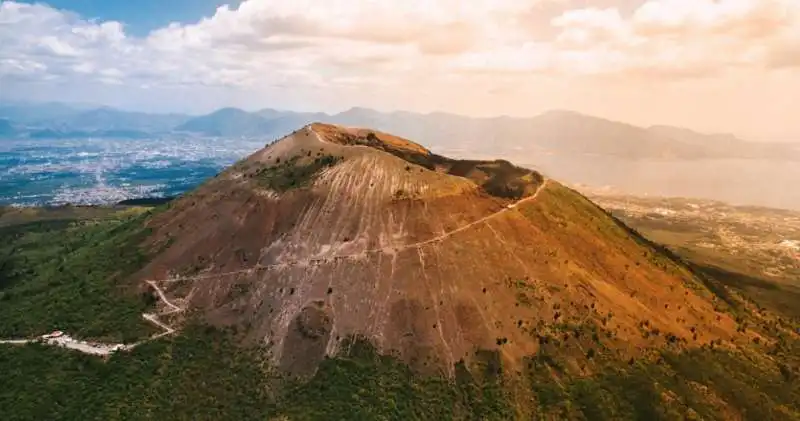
x=333 y=232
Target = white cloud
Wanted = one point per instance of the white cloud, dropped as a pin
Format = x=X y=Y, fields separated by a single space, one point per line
x=267 y=36
x=434 y=49
x=21 y=67
x=58 y=48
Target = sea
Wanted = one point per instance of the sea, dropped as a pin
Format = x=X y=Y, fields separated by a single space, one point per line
x=96 y=171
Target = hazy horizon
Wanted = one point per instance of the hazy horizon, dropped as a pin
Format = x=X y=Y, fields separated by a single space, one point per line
x=724 y=66
x=89 y=106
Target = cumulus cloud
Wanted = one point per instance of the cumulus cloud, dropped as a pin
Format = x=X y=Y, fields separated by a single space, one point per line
x=352 y=43
x=682 y=37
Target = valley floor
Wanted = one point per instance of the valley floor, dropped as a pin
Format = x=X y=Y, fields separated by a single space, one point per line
x=757 y=249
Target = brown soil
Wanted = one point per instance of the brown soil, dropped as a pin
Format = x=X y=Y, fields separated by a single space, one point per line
x=417 y=252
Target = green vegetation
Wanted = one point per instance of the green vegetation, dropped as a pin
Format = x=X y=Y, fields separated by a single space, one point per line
x=15 y=216
x=734 y=250
x=736 y=285
x=200 y=375
x=698 y=384
x=65 y=275
x=205 y=374
x=363 y=385
x=59 y=273
x=572 y=215
x=297 y=171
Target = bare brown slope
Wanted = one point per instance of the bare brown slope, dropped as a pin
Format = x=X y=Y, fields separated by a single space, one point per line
x=332 y=232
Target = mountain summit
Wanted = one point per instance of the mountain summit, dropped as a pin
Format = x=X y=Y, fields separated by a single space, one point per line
x=346 y=273
x=332 y=233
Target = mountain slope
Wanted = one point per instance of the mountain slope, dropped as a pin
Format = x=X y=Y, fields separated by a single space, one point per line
x=60 y=117
x=345 y=273
x=360 y=233
x=225 y=122
x=723 y=145
x=236 y=122
x=284 y=122
x=27 y=113
x=109 y=119
x=560 y=132
x=571 y=132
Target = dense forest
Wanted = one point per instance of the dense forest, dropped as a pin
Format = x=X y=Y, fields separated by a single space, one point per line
x=66 y=274
x=203 y=374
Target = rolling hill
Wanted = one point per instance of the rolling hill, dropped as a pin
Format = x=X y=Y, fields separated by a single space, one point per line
x=61 y=118
x=110 y=119
x=236 y=122
x=559 y=132
x=345 y=273
x=30 y=113
x=225 y=122
x=725 y=144
x=389 y=229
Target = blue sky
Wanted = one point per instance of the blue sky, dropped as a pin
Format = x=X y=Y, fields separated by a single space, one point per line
x=709 y=65
x=141 y=16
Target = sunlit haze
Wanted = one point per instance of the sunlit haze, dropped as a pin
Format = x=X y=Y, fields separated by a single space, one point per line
x=399 y=210
x=723 y=66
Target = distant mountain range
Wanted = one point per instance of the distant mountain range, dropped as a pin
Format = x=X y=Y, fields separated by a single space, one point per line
x=61 y=119
x=5 y=127
x=558 y=132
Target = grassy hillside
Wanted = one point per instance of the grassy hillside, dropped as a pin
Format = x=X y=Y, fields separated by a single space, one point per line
x=63 y=273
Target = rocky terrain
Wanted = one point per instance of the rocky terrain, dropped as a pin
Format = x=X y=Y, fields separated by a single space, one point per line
x=333 y=232
x=344 y=273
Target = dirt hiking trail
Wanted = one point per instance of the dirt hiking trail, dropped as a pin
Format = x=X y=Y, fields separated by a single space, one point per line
x=105 y=349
